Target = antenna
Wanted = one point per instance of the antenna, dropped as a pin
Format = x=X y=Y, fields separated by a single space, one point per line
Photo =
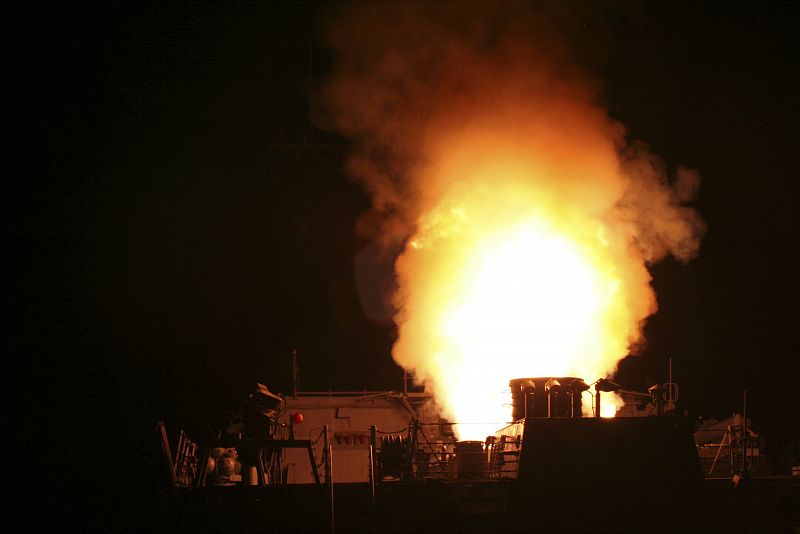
x=670 y=378
x=671 y=387
x=295 y=373
x=744 y=414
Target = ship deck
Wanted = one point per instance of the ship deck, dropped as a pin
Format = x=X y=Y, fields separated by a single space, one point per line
x=758 y=504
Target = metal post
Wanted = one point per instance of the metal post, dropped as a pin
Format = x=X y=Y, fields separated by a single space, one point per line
x=294 y=373
x=329 y=475
x=725 y=436
x=333 y=514
x=744 y=415
x=325 y=454
x=412 y=444
x=373 y=440
x=201 y=478
x=669 y=386
x=745 y=466
x=167 y=453
x=597 y=403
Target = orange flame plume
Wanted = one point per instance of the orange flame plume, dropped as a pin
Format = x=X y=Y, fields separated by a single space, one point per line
x=528 y=219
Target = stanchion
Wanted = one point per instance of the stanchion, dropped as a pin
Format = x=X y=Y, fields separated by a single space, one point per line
x=373 y=438
x=329 y=473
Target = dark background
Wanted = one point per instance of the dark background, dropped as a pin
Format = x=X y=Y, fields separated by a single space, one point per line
x=177 y=226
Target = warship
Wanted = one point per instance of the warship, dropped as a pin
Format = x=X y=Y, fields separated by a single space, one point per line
x=386 y=461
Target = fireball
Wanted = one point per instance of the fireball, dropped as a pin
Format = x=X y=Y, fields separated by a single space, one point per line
x=528 y=216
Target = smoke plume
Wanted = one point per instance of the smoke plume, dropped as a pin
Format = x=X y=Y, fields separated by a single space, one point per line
x=477 y=132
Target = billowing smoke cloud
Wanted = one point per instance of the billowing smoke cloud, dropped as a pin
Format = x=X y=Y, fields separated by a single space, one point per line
x=471 y=124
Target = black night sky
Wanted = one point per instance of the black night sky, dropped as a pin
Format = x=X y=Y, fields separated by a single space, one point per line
x=179 y=225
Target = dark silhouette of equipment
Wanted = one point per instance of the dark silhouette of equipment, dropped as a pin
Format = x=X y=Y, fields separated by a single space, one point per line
x=393 y=456
x=639 y=453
